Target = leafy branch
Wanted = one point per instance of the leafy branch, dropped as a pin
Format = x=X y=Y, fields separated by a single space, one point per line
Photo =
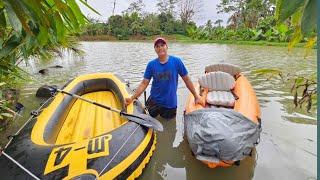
x=309 y=92
x=306 y=85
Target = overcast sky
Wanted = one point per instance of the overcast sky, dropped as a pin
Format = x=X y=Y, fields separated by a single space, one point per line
x=104 y=7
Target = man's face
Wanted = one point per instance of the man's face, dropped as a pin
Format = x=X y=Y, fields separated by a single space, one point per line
x=161 y=49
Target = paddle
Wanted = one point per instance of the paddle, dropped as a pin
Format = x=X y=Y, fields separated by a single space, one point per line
x=142 y=119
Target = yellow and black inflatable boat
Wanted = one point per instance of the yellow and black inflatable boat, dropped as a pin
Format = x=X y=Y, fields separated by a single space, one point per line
x=73 y=139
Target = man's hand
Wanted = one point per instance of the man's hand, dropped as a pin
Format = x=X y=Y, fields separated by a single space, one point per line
x=128 y=101
x=143 y=85
x=197 y=100
x=189 y=84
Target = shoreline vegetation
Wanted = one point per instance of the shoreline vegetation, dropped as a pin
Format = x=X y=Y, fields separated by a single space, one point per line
x=186 y=39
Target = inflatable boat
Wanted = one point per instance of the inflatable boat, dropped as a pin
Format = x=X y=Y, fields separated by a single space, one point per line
x=226 y=126
x=68 y=138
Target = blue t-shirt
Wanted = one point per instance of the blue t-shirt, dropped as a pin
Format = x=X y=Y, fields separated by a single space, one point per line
x=165 y=80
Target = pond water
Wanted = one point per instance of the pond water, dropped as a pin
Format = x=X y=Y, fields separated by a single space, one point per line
x=288 y=146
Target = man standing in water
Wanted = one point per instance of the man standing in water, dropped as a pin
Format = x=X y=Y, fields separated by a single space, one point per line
x=164 y=70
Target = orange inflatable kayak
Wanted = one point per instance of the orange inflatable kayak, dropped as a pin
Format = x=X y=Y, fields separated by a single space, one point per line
x=223 y=86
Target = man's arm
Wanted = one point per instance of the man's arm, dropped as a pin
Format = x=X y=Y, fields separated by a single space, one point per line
x=189 y=85
x=142 y=86
x=191 y=88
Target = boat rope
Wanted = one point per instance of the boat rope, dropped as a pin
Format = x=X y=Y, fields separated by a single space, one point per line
x=18 y=164
x=119 y=150
x=27 y=122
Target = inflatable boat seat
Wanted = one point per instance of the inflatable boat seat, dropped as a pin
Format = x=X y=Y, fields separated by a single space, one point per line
x=220 y=86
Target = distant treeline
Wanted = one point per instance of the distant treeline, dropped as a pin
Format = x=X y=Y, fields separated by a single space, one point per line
x=249 y=21
x=124 y=26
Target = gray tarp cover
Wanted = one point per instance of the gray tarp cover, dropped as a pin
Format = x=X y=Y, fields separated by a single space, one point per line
x=216 y=134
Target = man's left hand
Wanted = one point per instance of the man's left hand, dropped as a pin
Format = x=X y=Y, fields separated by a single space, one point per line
x=198 y=100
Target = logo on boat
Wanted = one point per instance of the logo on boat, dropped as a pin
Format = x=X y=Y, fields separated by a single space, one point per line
x=76 y=155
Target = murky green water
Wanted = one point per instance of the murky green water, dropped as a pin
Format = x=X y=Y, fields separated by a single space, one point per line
x=288 y=142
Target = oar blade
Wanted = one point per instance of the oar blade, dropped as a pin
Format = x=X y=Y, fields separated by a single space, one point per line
x=145 y=120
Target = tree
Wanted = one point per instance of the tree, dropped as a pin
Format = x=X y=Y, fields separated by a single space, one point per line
x=94 y=27
x=114 y=6
x=151 y=25
x=166 y=6
x=246 y=12
x=119 y=26
x=208 y=26
x=136 y=6
x=136 y=25
x=188 y=8
x=166 y=23
x=219 y=21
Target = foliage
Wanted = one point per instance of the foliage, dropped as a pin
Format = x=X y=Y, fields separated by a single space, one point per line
x=218 y=22
x=248 y=24
x=5 y=111
x=151 y=25
x=166 y=23
x=265 y=23
x=188 y=9
x=251 y=20
x=133 y=23
x=306 y=86
x=33 y=29
x=135 y=7
x=303 y=14
x=192 y=32
x=166 y=6
x=308 y=89
x=30 y=28
x=245 y=12
x=94 y=28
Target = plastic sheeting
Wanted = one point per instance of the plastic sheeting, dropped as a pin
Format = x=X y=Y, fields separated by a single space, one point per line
x=216 y=134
